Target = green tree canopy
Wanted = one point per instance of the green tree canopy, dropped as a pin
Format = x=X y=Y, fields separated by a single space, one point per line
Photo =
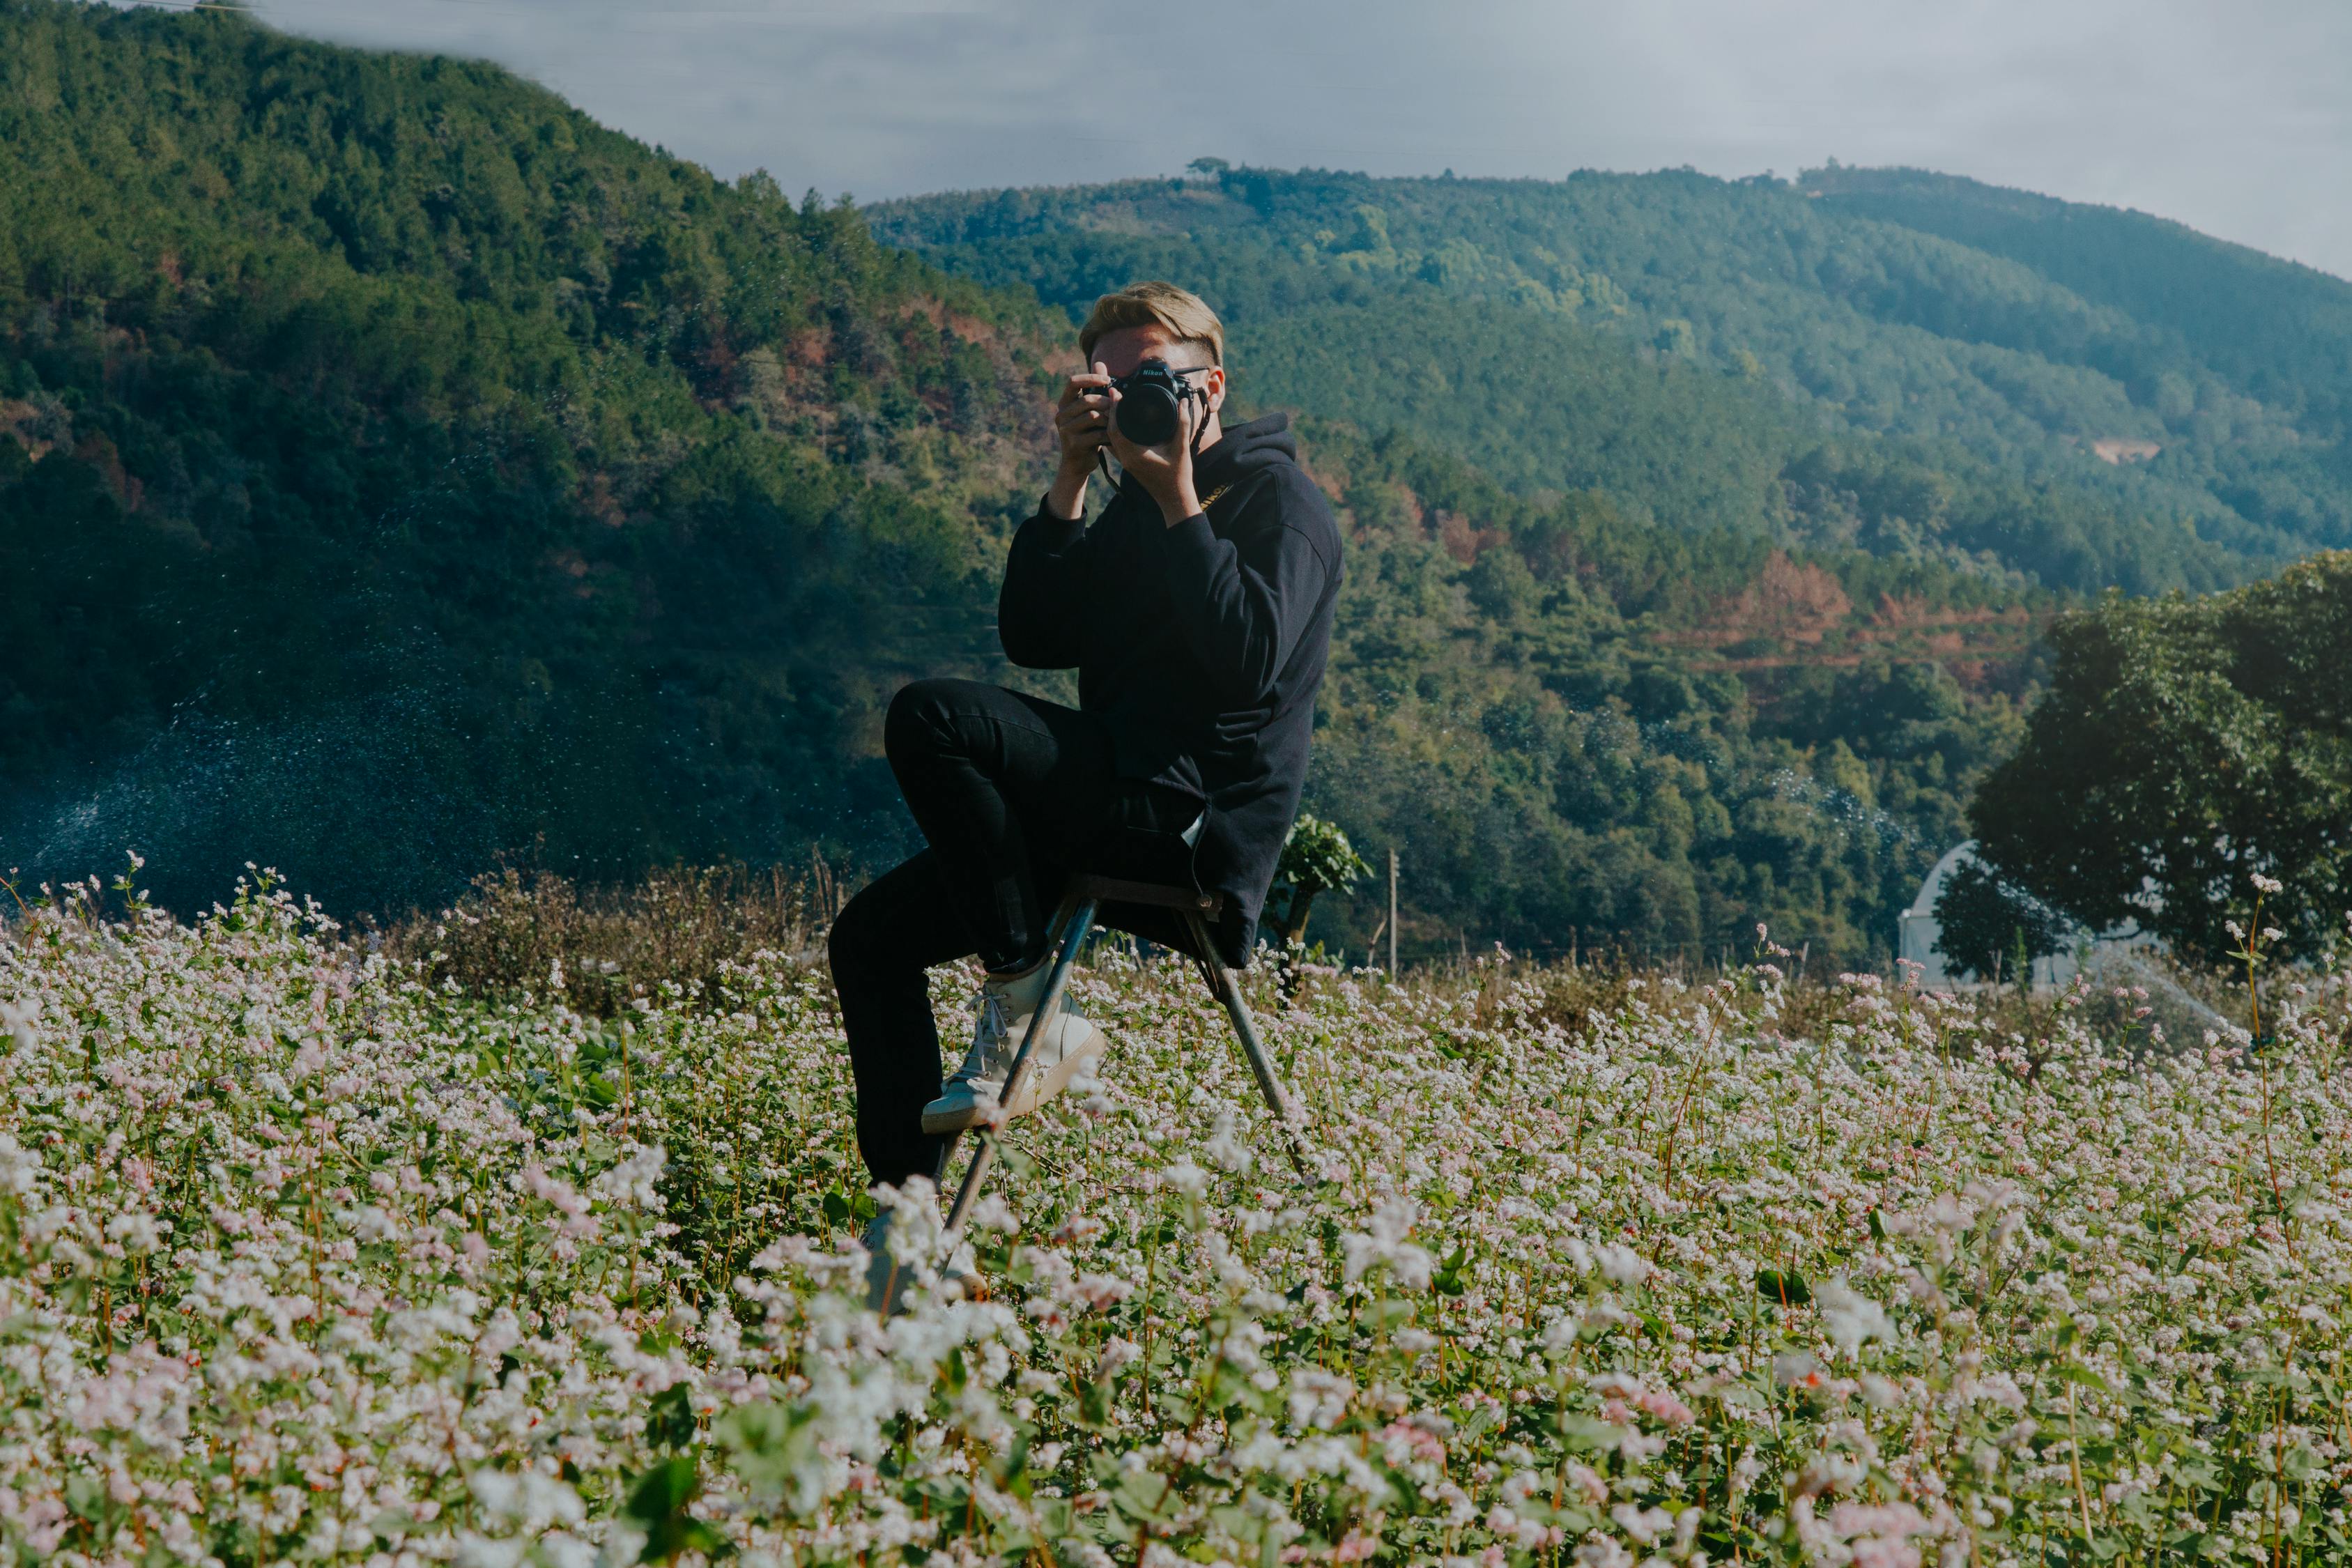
x=2186 y=746
x=1990 y=929
x=1315 y=858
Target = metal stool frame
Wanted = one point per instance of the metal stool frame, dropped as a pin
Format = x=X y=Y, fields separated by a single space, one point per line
x=1072 y=924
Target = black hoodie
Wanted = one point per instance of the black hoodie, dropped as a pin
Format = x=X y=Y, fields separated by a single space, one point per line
x=1201 y=646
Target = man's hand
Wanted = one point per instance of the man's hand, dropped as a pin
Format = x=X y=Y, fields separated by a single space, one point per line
x=1165 y=471
x=1082 y=421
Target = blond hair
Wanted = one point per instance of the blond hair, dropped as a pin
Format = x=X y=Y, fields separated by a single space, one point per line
x=1185 y=315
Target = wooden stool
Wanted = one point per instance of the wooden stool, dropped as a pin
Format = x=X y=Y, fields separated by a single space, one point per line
x=1072 y=922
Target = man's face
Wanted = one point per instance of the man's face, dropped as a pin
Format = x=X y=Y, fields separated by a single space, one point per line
x=1120 y=352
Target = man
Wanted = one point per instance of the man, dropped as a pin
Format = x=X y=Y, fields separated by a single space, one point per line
x=1197 y=611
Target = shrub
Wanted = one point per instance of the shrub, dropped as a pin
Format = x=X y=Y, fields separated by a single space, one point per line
x=524 y=934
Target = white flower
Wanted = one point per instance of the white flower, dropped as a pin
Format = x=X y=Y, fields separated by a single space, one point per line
x=20 y=1168
x=1603 y=1552
x=1226 y=1151
x=18 y=1019
x=1317 y=1398
x=992 y=1213
x=565 y=1551
x=475 y=1551
x=1587 y=1481
x=1850 y=1319
x=1621 y=1265
x=135 y=1231
x=1410 y=1266
x=630 y=1182
x=1644 y=1524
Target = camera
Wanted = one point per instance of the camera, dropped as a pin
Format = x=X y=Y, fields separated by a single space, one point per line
x=1151 y=398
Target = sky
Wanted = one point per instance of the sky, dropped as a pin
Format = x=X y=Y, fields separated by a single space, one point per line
x=2230 y=118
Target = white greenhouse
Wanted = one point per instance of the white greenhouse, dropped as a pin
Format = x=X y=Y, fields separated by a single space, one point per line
x=1919 y=931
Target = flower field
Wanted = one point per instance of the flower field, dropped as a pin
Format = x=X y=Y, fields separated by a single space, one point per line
x=303 y=1259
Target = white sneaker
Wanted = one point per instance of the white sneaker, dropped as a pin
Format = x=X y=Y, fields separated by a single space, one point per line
x=1006 y=1005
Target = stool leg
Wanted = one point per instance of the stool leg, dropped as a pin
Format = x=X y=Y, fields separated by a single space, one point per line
x=1078 y=918
x=1222 y=985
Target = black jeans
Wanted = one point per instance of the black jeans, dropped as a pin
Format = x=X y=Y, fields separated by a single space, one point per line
x=1012 y=794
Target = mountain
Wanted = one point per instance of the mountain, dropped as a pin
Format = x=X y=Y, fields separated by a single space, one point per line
x=2269 y=329
x=399 y=470
x=1909 y=362
x=407 y=469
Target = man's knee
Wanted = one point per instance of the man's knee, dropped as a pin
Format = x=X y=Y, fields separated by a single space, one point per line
x=920 y=722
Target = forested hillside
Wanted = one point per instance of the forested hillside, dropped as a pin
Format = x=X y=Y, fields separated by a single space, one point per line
x=2266 y=329
x=398 y=470
x=1583 y=728
x=1913 y=364
x=407 y=469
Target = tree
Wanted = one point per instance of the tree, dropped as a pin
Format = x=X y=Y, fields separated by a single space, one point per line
x=1992 y=928
x=1315 y=858
x=2187 y=746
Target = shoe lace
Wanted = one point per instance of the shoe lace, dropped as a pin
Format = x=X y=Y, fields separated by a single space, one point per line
x=992 y=1046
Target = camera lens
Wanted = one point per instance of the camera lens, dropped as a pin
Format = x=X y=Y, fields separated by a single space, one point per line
x=1147 y=412
x=1150 y=403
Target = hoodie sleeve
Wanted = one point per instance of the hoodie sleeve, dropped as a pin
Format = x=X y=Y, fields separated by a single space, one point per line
x=1243 y=603
x=1044 y=577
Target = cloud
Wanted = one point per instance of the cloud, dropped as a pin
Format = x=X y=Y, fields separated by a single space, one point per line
x=2231 y=119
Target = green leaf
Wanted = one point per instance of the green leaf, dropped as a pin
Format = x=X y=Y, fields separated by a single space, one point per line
x=1240 y=1524
x=1449 y=1283
x=662 y=1491
x=1588 y=1436
x=1144 y=1497
x=656 y=1504
x=1785 y=1289
x=2075 y=1372
x=669 y=1423
x=767 y=1444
